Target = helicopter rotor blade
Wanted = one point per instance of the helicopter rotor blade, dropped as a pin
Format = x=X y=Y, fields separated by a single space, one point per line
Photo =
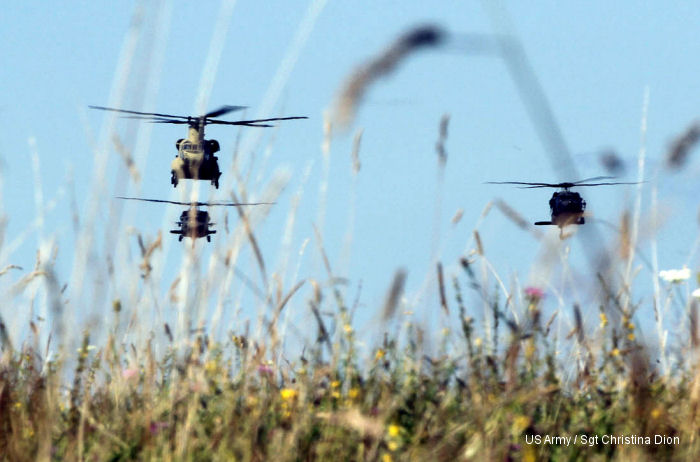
x=196 y=204
x=223 y=110
x=252 y=123
x=531 y=185
x=137 y=112
x=608 y=184
x=595 y=178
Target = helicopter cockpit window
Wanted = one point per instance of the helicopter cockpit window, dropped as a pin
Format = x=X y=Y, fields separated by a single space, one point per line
x=187 y=146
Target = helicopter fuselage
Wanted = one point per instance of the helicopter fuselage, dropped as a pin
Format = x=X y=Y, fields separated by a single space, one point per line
x=195 y=158
x=566 y=208
x=194 y=223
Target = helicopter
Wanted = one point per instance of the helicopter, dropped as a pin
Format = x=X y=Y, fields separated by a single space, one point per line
x=195 y=223
x=195 y=157
x=566 y=207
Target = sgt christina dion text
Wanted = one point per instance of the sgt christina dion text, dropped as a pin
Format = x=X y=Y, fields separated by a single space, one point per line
x=594 y=440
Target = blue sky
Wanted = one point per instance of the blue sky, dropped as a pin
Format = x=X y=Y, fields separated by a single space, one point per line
x=594 y=60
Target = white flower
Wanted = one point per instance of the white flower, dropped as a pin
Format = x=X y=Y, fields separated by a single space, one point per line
x=696 y=293
x=675 y=275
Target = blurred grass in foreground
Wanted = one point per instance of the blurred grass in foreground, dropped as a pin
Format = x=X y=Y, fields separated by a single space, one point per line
x=470 y=400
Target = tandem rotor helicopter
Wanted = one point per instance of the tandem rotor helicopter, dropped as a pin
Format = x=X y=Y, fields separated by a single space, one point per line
x=195 y=157
x=566 y=207
x=195 y=223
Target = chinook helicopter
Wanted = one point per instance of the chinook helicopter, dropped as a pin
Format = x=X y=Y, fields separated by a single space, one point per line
x=566 y=207
x=195 y=223
x=195 y=157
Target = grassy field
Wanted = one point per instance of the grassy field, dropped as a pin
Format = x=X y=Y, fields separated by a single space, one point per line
x=499 y=395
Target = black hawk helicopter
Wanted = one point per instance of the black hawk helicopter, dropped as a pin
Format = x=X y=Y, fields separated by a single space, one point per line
x=195 y=223
x=566 y=207
x=195 y=157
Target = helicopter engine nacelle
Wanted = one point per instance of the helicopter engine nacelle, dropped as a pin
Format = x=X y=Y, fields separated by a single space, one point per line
x=213 y=146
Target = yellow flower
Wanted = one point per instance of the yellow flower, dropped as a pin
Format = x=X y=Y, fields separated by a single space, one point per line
x=347 y=328
x=210 y=366
x=655 y=413
x=392 y=445
x=520 y=423
x=353 y=393
x=394 y=430
x=615 y=352
x=631 y=337
x=630 y=326
x=335 y=394
x=603 y=320
x=477 y=342
x=335 y=384
x=288 y=394
x=379 y=354
x=386 y=457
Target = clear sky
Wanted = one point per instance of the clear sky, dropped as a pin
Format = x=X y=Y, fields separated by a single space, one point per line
x=595 y=61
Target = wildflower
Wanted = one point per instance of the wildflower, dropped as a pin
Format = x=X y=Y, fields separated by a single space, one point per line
x=129 y=373
x=156 y=427
x=675 y=276
x=478 y=342
x=534 y=293
x=335 y=384
x=655 y=413
x=288 y=394
x=631 y=337
x=603 y=320
x=264 y=369
x=347 y=328
x=615 y=352
x=379 y=354
x=392 y=445
x=520 y=423
x=393 y=430
x=353 y=393
x=387 y=458
x=210 y=366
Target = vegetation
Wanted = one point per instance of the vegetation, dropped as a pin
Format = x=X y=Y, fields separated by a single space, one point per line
x=469 y=400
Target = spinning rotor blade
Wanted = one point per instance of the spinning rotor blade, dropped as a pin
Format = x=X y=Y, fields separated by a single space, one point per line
x=196 y=204
x=223 y=110
x=138 y=113
x=565 y=185
x=252 y=123
x=595 y=178
x=530 y=185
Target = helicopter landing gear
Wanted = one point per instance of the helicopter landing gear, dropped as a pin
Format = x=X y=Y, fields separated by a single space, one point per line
x=173 y=179
x=179 y=238
x=208 y=238
x=215 y=183
x=581 y=221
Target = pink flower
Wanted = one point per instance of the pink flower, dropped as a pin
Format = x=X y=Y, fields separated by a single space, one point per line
x=156 y=427
x=264 y=369
x=534 y=293
x=130 y=373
